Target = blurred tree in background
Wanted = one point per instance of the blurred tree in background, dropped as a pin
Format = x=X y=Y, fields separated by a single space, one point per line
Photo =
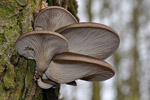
x=131 y=20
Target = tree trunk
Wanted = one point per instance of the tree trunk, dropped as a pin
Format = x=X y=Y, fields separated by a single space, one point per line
x=16 y=72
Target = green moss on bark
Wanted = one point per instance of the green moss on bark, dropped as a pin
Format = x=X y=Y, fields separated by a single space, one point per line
x=16 y=17
x=8 y=79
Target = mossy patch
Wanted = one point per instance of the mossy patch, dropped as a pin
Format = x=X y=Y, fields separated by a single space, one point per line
x=8 y=79
x=22 y=2
x=2 y=39
x=8 y=8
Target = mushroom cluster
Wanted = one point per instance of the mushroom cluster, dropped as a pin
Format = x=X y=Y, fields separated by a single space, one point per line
x=65 y=50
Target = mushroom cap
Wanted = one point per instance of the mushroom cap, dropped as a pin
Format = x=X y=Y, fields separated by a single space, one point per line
x=52 y=18
x=67 y=67
x=43 y=85
x=91 y=39
x=41 y=46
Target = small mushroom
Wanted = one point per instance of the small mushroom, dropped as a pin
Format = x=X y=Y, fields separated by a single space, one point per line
x=43 y=81
x=91 y=39
x=41 y=46
x=67 y=67
x=43 y=85
x=52 y=18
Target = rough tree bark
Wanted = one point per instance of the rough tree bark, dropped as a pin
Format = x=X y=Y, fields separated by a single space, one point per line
x=16 y=72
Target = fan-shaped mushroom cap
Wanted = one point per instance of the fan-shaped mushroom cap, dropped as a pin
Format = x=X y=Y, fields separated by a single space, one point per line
x=52 y=18
x=67 y=67
x=43 y=85
x=41 y=46
x=91 y=39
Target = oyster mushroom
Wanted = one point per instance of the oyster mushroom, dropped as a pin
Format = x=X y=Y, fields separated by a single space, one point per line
x=91 y=39
x=52 y=18
x=41 y=46
x=45 y=83
x=76 y=53
x=68 y=67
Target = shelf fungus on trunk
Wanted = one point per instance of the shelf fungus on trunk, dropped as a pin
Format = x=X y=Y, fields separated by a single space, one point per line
x=65 y=50
x=67 y=67
x=41 y=46
x=53 y=18
x=96 y=40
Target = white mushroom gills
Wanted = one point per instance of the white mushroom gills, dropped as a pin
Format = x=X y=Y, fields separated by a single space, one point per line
x=53 y=18
x=41 y=46
x=91 y=39
x=67 y=67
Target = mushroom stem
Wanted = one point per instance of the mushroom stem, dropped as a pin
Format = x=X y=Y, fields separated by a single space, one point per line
x=42 y=63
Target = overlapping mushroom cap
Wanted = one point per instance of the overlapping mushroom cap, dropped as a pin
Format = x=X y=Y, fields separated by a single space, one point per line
x=41 y=46
x=53 y=18
x=67 y=67
x=91 y=39
x=65 y=50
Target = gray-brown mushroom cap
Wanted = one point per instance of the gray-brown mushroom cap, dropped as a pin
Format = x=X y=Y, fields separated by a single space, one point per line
x=67 y=67
x=52 y=18
x=91 y=39
x=41 y=46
